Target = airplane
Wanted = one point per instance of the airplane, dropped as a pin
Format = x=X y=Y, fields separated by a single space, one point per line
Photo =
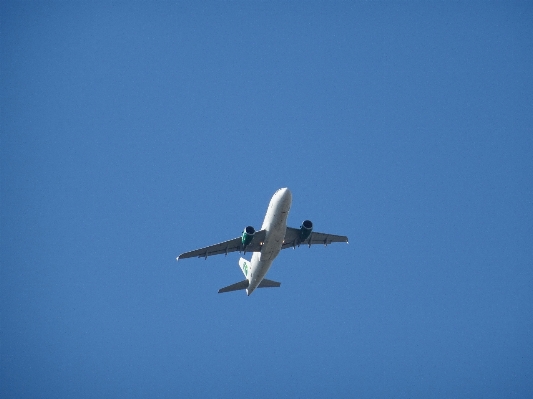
x=266 y=244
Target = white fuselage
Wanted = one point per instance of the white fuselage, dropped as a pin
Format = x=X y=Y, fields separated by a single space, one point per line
x=275 y=224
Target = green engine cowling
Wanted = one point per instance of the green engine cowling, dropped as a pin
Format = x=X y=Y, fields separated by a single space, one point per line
x=247 y=236
x=305 y=230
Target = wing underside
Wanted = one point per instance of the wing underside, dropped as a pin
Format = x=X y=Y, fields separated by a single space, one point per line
x=293 y=240
x=227 y=247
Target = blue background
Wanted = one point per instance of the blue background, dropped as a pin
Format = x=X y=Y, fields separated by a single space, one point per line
x=131 y=133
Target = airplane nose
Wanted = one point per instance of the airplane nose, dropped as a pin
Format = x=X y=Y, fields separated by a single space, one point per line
x=286 y=193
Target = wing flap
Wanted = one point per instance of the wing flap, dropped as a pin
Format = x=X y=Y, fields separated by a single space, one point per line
x=326 y=239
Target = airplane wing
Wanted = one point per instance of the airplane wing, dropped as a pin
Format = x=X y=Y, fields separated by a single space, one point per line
x=227 y=246
x=292 y=238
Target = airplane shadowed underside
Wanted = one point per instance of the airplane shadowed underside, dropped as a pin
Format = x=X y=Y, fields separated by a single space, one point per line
x=266 y=244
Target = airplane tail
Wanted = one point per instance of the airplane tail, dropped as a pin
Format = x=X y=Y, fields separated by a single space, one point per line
x=242 y=285
x=245 y=267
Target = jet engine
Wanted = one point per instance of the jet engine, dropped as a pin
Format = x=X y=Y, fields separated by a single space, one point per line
x=305 y=230
x=247 y=236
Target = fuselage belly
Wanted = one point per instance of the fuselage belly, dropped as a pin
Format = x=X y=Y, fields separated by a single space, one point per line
x=275 y=224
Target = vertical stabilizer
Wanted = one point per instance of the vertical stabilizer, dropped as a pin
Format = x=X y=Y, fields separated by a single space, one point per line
x=245 y=267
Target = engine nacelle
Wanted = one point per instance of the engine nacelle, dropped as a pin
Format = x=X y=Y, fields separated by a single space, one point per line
x=247 y=236
x=305 y=230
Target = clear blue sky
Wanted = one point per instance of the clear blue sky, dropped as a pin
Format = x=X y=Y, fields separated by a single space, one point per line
x=131 y=133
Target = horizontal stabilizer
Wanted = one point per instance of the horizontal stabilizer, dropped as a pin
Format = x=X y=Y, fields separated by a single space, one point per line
x=241 y=285
x=268 y=284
